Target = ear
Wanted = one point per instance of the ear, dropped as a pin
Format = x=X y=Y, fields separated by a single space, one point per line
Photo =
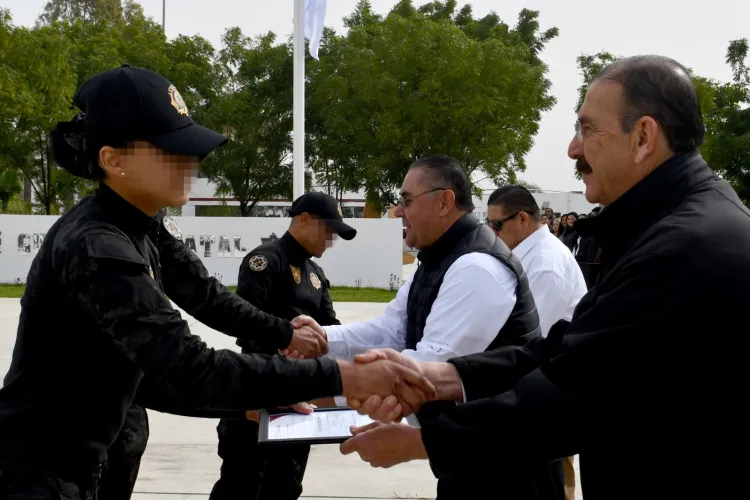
x=645 y=138
x=111 y=162
x=447 y=201
x=524 y=217
x=304 y=217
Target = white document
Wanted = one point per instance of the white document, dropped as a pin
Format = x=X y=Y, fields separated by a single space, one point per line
x=317 y=425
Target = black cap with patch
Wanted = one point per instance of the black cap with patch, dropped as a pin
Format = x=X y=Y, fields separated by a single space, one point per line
x=131 y=104
x=327 y=208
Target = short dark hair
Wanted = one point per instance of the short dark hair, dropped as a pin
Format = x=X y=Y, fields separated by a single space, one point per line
x=514 y=198
x=448 y=173
x=663 y=89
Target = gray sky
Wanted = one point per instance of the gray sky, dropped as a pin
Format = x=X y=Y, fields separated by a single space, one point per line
x=695 y=33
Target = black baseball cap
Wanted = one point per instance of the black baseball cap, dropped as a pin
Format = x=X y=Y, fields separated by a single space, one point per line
x=131 y=104
x=327 y=208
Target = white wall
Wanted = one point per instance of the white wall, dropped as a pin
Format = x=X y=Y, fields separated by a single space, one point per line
x=372 y=257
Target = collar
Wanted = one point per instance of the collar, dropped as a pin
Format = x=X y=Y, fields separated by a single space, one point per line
x=121 y=213
x=293 y=249
x=530 y=242
x=436 y=251
x=646 y=202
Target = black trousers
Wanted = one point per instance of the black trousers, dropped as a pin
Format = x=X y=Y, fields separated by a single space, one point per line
x=30 y=483
x=124 y=457
x=253 y=472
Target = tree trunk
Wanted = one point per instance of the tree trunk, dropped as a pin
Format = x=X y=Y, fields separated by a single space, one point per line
x=373 y=205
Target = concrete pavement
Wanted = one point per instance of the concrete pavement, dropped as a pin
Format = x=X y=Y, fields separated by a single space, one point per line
x=181 y=461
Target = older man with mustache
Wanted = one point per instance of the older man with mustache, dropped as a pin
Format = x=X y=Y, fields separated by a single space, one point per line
x=648 y=382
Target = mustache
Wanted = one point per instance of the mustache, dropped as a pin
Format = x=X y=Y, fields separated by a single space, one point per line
x=582 y=166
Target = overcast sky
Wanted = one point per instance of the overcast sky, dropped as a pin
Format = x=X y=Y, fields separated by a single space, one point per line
x=695 y=33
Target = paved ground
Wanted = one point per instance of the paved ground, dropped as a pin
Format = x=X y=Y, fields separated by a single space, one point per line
x=181 y=461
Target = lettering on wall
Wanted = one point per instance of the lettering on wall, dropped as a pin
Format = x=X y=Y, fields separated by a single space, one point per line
x=224 y=249
x=24 y=244
x=190 y=242
x=30 y=242
x=206 y=241
x=239 y=250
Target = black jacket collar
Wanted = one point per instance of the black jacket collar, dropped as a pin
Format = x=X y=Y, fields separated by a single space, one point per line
x=437 y=251
x=122 y=214
x=293 y=250
x=647 y=201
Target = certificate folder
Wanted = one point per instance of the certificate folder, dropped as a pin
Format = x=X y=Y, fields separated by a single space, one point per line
x=323 y=426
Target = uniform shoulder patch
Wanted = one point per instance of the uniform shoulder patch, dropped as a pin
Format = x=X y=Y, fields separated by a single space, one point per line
x=172 y=228
x=258 y=262
x=315 y=280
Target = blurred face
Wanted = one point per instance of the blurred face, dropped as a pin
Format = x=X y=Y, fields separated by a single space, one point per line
x=611 y=160
x=548 y=213
x=512 y=228
x=423 y=208
x=545 y=220
x=149 y=177
x=555 y=225
x=314 y=234
x=571 y=220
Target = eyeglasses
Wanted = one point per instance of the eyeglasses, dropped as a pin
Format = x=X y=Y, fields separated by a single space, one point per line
x=405 y=201
x=497 y=225
x=579 y=127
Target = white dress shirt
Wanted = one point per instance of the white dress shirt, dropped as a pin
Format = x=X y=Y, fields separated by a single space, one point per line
x=476 y=298
x=555 y=278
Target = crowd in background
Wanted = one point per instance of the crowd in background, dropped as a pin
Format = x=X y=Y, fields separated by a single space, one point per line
x=585 y=250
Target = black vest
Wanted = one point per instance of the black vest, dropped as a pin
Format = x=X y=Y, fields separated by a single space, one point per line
x=468 y=235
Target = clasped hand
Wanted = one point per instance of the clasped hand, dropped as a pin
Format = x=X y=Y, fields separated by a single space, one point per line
x=309 y=340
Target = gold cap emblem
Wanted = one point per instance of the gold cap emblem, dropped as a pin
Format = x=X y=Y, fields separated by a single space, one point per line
x=177 y=101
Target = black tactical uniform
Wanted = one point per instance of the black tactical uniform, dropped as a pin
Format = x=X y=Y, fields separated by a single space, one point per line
x=187 y=283
x=95 y=321
x=277 y=277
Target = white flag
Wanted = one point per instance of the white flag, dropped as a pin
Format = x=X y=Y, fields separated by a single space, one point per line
x=315 y=15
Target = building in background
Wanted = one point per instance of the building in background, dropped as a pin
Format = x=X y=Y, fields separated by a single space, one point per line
x=204 y=203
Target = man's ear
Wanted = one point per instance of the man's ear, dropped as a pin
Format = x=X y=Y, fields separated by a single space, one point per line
x=111 y=162
x=304 y=217
x=447 y=200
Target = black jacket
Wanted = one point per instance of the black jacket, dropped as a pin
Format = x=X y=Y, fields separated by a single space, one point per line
x=649 y=382
x=280 y=278
x=94 y=320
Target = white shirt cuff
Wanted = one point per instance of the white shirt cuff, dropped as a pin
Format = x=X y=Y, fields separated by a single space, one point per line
x=337 y=346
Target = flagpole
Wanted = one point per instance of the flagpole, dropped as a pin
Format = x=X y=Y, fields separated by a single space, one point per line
x=299 y=100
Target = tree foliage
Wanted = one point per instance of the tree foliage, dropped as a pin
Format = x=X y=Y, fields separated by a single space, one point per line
x=427 y=80
x=255 y=111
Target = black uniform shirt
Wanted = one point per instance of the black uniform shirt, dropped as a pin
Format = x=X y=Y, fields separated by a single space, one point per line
x=280 y=278
x=94 y=319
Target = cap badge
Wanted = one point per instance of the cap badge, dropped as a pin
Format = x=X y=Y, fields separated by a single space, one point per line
x=171 y=226
x=315 y=280
x=177 y=101
x=258 y=262
x=296 y=274
x=338 y=205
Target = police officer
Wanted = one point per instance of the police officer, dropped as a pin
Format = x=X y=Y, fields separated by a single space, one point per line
x=279 y=277
x=95 y=321
x=187 y=283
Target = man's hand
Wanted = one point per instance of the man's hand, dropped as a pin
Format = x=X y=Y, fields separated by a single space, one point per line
x=303 y=408
x=385 y=445
x=404 y=388
x=308 y=340
x=443 y=376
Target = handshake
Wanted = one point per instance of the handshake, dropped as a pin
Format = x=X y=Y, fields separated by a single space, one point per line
x=381 y=383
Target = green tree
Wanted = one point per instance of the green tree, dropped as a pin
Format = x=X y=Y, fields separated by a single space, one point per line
x=255 y=110
x=416 y=83
x=109 y=11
